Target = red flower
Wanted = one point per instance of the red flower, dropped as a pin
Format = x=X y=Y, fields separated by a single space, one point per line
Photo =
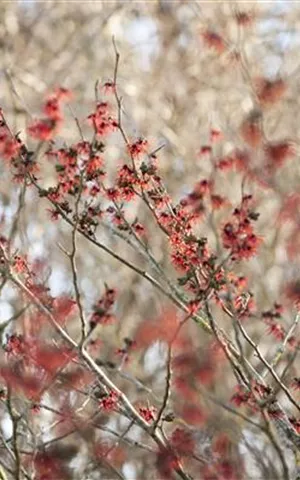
x=137 y=148
x=42 y=129
x=147 y=413
x=101 y=120
x=292 y=292
x=109 y=402
x=19 y=264
x=218 y=202
x=50 y=358
x=296 y=383
x=112 y=194
x=29 y=385
x=193 y=415
x=238 y=235
x=275 y=412
x=48 y=466
x=277 y=153
x=63 y=307
x=290 y=208
x=205 y=149
x=241 y=396
x=213 y=40
x=251 y=129
x=10 y=147
x=139 y=228
x=276 y=330
x=166 y=463
x=215 y=135
x=183 y=442
x=63 y=94
x=94 y=165
x=14 y=345
x=102 y=310
x=52 y=109
x=296 y=424
x=109 y=87
x=269 y=92
x=226 y=163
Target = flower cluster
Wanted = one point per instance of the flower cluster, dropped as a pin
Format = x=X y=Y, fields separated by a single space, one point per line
x=45 y=128
x=102 y=120
x=102 y=310
x=238 y=234
x=110 y=401
x=214 y=41
x=148 y=413
x=270 y=91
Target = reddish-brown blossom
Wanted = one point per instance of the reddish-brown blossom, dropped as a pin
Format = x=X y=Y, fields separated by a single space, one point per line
x=229 y=470
x=251 y=129
x=183 y=442
x=193 y=414
x=221 y=445
x=42 y=129
x=213 y=40
x=148 y=413
x=244 y=18
x=52 y=109
x=205 y=149
x=215 y=135
x=238 y=235
x=63 y=307
x=296 y=383
x=36 y=408
x=50 y=358
x=226 y=163
x=110 y=401
x=290 y=208
x=292 y=292
x=275 y=412
x=206 y=373
x=48 y=466
x=276 y=330
x=296 y=424
x=114 y=453
x=124 y=352
x=217 y=201
x=238 y=159
x=161 y=328
x=15 y=345
x=29 y=384
x=183 y=385
x=166 y=462
x=241 y=396
x=127 y=182
x=109 y=87
x=101 y=120
x=113 y=194
x=102 y=310
x=94 y=165
x=63 y=94
x=278 y=152
x=268 y=91
x=10 y=146
x=261 y=389
x=138 y=147
x=20 y=264
x=139 y=228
